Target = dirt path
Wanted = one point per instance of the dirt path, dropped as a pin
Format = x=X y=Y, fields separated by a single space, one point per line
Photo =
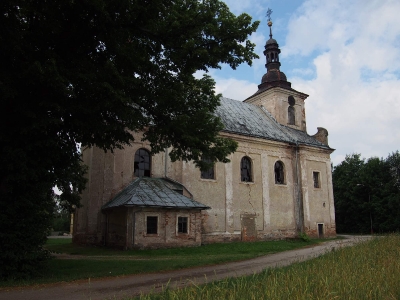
x=128 y=286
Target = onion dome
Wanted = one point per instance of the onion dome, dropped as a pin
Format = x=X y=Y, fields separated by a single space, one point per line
x=273 y=77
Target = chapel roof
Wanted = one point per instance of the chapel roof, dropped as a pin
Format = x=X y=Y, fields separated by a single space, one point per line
x=255 y=121
x=153 y=192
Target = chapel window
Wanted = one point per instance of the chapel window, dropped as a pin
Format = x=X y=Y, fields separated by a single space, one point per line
x=279 y=173
x=316 y=179
x=208 y=173
x=245 y=170
x=291 y=111
x=182 y=224
x=142 y=165
x=152 y=224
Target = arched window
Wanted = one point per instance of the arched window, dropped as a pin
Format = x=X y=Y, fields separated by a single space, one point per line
x=291 y=111
x=142 y=165
x=279 y=173
x=291 y=115
x=245 y=170
x=209 y=173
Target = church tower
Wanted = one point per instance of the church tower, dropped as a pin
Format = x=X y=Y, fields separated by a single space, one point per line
x=276 y=94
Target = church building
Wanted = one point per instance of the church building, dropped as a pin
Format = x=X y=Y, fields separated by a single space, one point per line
x=277 y=185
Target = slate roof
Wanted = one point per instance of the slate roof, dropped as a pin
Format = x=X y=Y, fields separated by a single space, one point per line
x=153 y=192
x=251 y=120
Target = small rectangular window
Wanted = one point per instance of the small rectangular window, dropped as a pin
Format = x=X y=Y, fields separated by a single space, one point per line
x=152 y=224
x=316 y=180
x=182 y=225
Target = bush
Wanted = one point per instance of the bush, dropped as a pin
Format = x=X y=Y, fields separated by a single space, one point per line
x=61 y=223
x=304 y=237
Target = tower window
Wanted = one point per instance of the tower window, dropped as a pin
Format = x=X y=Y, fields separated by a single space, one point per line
x=291 y=111
x=291 y=115
x=209 y=173
x=316 y=180
x=142 y=165
x=245 y=170
x=279 y=173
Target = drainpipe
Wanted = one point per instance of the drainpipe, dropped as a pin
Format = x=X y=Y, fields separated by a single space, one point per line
x=127 y=228
x=105 y=236
x=298 y=194
x=133 y=228
x=165 y=164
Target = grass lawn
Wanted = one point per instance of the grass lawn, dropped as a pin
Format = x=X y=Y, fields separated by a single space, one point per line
x=95 y=262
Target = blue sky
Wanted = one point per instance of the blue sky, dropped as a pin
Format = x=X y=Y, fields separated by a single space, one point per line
x=344 y=54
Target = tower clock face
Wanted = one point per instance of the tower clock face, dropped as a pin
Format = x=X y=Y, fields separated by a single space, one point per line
x=291 y=100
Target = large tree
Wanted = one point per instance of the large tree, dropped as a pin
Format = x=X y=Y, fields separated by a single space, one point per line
x=367 y=194
x=90 y=73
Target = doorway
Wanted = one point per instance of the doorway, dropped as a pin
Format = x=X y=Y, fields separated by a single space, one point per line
x=320 y=231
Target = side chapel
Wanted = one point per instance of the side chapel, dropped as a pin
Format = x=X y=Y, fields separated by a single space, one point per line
x=278 y=183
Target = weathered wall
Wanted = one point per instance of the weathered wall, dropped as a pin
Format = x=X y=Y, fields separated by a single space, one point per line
x=276 y=102
x=318 y=202
x=270 y=205
x=167 y=235
x=108 y=173
x=116 y=226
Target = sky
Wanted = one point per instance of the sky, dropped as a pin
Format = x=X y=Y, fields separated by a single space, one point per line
x=344 y=54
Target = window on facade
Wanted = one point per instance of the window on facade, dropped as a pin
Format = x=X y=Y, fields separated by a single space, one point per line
x=182 y=225
x=279 y=173
x=209 y=173
x=142 y=165
x=245 y=170
x=316 y=180
x=291 y=115
x=291 y=111
x=152 y=224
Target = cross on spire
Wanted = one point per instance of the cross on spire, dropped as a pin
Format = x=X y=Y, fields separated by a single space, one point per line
x=268 y=15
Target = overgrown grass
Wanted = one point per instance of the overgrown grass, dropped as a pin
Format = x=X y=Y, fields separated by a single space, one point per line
x=95 y=262
x=369 y=270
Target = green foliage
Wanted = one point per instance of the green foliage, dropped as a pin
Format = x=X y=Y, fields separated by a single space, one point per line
x=367 y=197
x=61 y=223
x=24 y=224
x=304 y=237
x=91 y=73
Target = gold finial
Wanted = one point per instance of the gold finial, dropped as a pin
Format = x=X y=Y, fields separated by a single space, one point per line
x=269 y=12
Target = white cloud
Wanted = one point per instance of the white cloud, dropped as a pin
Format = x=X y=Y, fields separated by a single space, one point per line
x=234 y=88
x=352 y=51
x=356 y=91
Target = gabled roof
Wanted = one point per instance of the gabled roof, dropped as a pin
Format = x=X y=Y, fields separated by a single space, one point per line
x=251 y=120
x=153 y=192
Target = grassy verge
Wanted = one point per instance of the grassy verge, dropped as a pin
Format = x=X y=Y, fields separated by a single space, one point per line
x=96 y=262
x=368 y=270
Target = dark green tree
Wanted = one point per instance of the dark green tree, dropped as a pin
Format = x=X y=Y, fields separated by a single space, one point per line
x=391 y=219
x=91 y=72
x=367 y=198
x=346 y=180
